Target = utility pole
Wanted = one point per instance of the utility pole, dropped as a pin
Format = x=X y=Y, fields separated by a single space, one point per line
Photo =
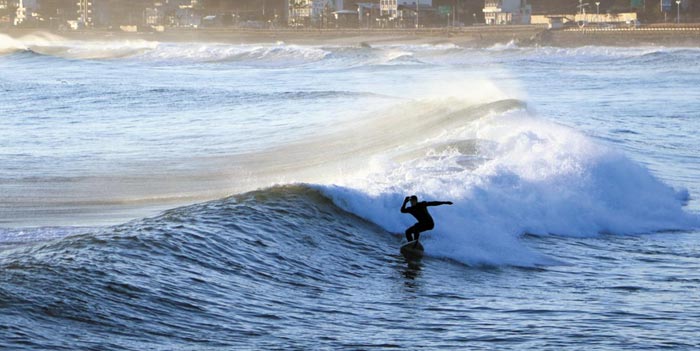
x=582 y=7
x=454 y=16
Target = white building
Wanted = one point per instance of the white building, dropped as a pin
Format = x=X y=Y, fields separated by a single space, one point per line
x=320 y=7
x=390 y=8
x=303 y=11
x=85 y=18
x=186 y=14
x=367 y=13
x=299 y=11
x=507 y=12
x=153 y=15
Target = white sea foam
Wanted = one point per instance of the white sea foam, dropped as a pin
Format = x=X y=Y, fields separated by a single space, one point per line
x=54 y=45
x=284 y=55
x=9 y=44
x=511 y=45
x=524 y=176
x=277 y=54
x=418 y=47
x=262 y=54
x=146 y=50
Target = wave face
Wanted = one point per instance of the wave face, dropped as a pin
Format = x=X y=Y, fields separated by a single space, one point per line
x=508 y=173
x=286 y=268
x=248 y=271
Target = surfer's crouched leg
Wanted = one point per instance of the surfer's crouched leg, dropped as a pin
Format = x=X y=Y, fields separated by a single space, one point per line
x=416 y=229
x=410 y=231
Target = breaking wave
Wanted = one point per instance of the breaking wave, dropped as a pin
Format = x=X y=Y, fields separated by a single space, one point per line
x=508 y=173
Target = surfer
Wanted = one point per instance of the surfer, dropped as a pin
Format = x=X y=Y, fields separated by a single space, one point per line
x=420 y=211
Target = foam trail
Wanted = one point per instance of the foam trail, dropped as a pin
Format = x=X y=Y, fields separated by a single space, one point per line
x=53 y=45
x=10 y=45
x=525 y=176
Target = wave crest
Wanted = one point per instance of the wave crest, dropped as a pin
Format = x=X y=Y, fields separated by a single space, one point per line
x=521 y=175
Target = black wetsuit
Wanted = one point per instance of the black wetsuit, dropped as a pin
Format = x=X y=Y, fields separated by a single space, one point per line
x=425 y=221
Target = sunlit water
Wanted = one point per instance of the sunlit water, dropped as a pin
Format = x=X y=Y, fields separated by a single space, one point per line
x=280 y=170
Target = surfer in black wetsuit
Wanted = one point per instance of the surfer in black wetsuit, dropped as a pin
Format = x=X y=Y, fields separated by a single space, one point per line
x=420 y=211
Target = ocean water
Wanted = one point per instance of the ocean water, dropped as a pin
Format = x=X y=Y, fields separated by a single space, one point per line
x=204 y=196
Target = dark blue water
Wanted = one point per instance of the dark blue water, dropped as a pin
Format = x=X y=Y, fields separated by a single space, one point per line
x=285 y=268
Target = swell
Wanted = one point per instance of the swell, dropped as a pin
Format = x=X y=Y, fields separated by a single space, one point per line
x=231 y=269
x=254 y=55
x=669 y=56
x=606 y=55
x=277 y=268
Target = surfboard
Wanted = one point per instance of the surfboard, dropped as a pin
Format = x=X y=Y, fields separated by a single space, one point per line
x=412 y=249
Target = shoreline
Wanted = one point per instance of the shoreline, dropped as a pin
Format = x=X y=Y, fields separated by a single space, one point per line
x=475 y=37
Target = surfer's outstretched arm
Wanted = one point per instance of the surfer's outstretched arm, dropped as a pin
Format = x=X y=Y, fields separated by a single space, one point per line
x=438 y=203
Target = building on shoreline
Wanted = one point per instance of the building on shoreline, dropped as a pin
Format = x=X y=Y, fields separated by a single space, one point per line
x=318 y=14
x=299 y=13
x=85 y=17
x=404 y=13
x=18 y=12
x=507 y=12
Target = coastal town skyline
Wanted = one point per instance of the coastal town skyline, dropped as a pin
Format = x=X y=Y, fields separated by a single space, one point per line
x=271 y=14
